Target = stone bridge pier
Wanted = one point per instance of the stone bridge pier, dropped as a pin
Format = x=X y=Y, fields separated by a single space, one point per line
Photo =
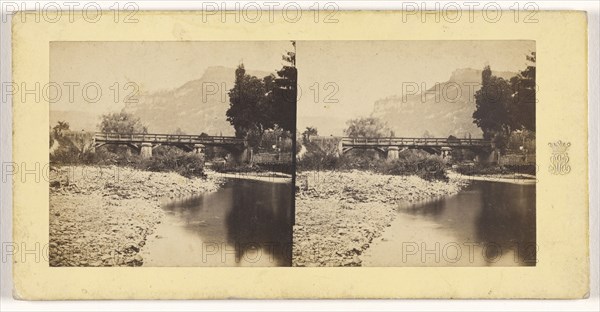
x=239 y=156
x=393 y=152
x=199 y=150
x=488 y=156
x=146 y=150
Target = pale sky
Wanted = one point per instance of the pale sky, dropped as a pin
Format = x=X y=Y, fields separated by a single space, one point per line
x=153 y=66
x=365 y=71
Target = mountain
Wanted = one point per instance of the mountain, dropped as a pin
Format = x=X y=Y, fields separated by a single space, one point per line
x=195 y=107
x=445 y=109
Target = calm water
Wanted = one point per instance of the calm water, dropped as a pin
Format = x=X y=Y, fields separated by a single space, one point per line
x=245 y=223
x=487 y=224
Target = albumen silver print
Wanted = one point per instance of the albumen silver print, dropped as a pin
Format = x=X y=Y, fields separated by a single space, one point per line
x=422 y=155
x=428 y=161
x=176 y=154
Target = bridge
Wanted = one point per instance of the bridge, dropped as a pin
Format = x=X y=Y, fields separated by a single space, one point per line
x=392 y=146
x=144 y=143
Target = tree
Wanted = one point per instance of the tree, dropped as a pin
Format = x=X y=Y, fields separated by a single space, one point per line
x=308 y=132
x=503 y=107
x=366 y=127
x=178 y=131
x=492 y=103
x=453 y=139
x=122 y=122
x=249 y=107
x=60 y=127
x=285 y=93
x=277 y=138
x=426 y=134
x=524 y=101
x=211 y=152
x=257 y=105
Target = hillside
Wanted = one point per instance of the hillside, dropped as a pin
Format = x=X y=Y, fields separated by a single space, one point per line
x=187 y=109
x=183 y=107
x=444 y=109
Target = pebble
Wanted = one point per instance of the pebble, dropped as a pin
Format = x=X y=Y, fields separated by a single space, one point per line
x=97 y=213
x=339 y=214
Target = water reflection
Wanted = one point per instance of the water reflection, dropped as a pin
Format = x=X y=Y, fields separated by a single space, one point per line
x=487 y=224
x=263 y=220
x=508 y=217
x=245 y=223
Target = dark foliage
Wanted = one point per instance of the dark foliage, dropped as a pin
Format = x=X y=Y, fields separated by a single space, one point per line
x=504 y=106
x=188 y=165
x=430 y=167
x=165 y=160
x=423 y=165
x=491 y=169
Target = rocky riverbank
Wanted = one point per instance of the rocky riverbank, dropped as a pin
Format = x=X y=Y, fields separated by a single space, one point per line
x=338 y=214
x=101 y=216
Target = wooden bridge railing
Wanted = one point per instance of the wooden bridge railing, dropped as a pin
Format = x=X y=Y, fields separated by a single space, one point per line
x=165 y=138
x=414 y=142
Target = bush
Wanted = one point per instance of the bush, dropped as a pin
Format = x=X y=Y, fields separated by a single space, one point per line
x=361 y=160
x=490 y=169
x=277 y=167
x=525 y=168
x=314 y=161
x=67 y=153
x=225 y=167
x=428 y=167
x=188 y=165
x=164 y=160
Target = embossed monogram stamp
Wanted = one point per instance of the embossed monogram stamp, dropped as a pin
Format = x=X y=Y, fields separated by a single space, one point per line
x=559 y=161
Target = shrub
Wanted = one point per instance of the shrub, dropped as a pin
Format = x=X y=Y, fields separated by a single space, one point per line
x=422 y=164
x=360 y=160
x=67 y=153
x=525 y=168
x=317 y=161
x=428 y=167
x=489 y=169
x=225 y=167
x=188 y=165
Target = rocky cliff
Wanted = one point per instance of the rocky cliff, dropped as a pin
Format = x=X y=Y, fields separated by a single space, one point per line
x=441 y=110
x=195 y=107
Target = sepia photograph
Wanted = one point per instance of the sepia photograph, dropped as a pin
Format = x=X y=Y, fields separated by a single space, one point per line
x=416 y=153
x=427 y=160
x=179 y=153
x=303 y=152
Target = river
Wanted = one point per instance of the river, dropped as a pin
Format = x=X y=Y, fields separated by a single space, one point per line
x=245 y=223
x=486 y=224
